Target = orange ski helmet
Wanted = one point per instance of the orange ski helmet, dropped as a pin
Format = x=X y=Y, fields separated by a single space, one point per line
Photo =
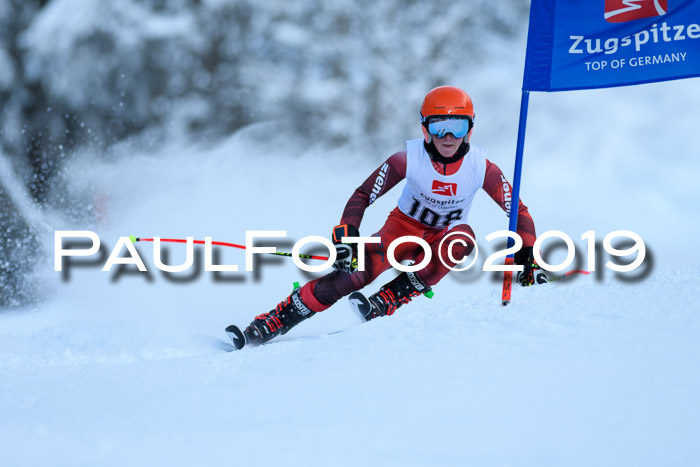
x=446 y=101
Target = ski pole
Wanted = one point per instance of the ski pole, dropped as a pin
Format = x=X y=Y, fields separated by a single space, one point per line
x=231 y=245
x=570 y=273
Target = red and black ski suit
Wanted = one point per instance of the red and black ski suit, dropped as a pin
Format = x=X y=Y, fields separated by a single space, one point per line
x=325 y=291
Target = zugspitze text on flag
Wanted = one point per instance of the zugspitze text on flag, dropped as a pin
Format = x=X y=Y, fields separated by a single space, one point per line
x=580 y=44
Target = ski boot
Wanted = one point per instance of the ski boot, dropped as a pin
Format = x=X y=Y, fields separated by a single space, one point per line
x=284 y=317
x=532 y=273
x=390 y=297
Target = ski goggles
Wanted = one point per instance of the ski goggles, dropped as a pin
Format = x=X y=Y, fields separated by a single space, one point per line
x=441 y=126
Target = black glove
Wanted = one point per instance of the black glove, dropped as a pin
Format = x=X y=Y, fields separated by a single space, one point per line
x=346 y=259
x=532 y=273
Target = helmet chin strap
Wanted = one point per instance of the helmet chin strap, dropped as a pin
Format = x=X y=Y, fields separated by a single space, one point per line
x=435 y=155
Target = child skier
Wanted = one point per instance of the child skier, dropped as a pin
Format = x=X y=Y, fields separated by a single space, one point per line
x=443 y=173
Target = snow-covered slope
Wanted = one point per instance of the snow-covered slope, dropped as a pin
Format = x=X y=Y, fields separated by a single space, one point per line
x=570 y=374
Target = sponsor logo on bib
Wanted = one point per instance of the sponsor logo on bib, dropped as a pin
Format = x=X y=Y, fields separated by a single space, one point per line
x=444 y=188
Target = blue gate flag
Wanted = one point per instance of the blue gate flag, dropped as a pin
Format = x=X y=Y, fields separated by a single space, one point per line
x=584 y=44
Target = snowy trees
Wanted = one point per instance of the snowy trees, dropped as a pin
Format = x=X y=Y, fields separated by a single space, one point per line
x=120 y=67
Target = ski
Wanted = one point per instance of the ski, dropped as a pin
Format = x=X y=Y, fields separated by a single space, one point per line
x=237 y=336
x=360 y=305
x=568 y=274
